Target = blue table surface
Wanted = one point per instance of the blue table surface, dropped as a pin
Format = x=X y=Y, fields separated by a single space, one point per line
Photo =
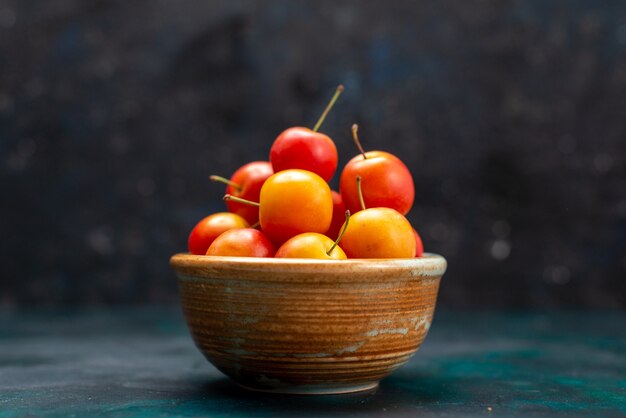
x=142 y=362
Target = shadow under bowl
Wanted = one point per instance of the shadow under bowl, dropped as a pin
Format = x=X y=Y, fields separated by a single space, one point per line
x=308 y=326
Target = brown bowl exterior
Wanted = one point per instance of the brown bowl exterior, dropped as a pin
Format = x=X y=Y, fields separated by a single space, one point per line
x=308 y=326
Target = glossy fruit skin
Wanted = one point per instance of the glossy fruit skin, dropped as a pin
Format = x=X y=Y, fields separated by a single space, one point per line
x=419 y=245
x=250 y=177
x=209 y=228
x=242 y=242
x=385 y=182
x=304 y=149
x=310 y=245
x=339 y=216
x=293 y=202
x=379 y=233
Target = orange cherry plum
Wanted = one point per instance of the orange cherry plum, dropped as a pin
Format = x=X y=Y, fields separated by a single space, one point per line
x=306 y=149
x=387 y=182
x=242 y=242
x=246 y=183
x=314 y=245
x=379 y=233
x=419 y=245
x=293 y=202
x=311 y=245
x=209 y=228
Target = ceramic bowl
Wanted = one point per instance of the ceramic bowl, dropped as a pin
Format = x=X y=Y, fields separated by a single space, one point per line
x=308 y=326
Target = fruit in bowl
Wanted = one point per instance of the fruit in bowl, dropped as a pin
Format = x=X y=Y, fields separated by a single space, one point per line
x=387 y=182
x=300 y=289
x=308 y=326
x=307 y=149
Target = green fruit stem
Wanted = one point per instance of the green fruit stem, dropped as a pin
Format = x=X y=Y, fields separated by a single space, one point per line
x=343 y=230
x=220 y=179
x=355 y=136
x=360 y=192
x=240 y=200
x=328 y=107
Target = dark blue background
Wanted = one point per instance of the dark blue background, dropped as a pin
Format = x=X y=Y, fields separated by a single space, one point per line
x=510 y=114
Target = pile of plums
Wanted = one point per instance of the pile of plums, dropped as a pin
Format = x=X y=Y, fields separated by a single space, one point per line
x=285 y=208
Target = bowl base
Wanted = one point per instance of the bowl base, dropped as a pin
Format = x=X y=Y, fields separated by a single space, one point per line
x=314 y=390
